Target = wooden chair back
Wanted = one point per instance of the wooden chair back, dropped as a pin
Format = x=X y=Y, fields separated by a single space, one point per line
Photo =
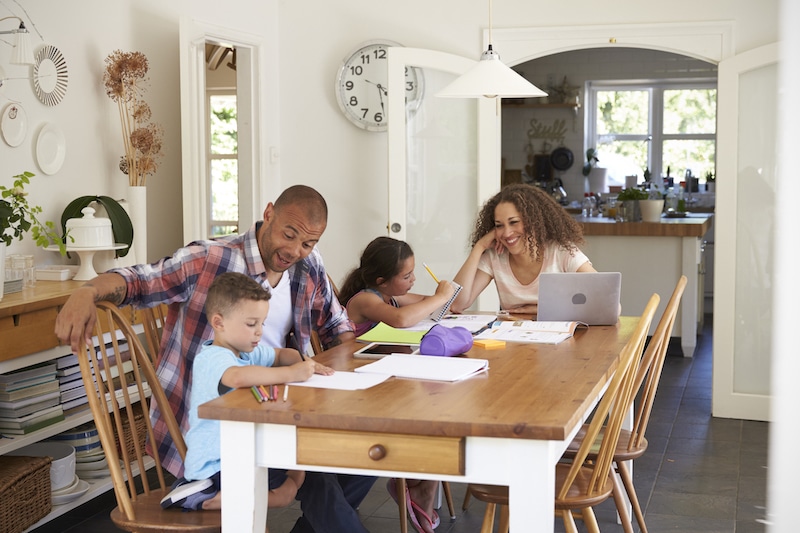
x=652 y=364
x=611 y=411
x=153 y=319
x=121 y=381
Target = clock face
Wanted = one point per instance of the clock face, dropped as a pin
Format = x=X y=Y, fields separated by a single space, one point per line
x=361 y=86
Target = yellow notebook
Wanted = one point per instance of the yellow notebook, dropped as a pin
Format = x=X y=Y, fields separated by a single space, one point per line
x=385 y=333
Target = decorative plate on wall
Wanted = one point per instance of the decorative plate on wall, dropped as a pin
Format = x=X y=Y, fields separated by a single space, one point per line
x=50 y=75
x=51 y=147
x=14 y=124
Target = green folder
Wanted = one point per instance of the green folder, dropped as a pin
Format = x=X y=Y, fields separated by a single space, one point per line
x=384 y=333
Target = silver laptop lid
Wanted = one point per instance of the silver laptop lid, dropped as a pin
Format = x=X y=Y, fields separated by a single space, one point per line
x=590 y=297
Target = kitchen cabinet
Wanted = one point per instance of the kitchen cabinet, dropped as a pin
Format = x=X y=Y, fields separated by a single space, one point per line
x=651 y=257
x=27 y=321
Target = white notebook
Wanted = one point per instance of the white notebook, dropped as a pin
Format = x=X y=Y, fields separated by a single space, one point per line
x=437 y=315
x=426 y=367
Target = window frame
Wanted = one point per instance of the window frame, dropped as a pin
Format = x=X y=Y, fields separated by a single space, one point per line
x=211 y=157
x=655 y=136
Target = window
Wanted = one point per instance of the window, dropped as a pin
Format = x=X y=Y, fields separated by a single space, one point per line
x=223 y=168
x=668 y=127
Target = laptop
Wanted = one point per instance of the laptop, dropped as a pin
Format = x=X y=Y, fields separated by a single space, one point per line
x=590 y=297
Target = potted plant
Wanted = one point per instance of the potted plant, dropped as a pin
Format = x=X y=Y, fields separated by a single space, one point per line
x=628 y=204
x=17 y=216
x=121 y=225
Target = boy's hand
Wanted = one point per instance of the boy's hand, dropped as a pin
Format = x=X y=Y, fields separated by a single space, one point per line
x=322 y=369
x=303 y=370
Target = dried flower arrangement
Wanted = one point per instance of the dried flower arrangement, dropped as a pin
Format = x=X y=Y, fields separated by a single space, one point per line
x=124 y=78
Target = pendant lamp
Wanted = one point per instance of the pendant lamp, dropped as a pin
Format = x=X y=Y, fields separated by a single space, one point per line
x=490 y=78
x=22 y=54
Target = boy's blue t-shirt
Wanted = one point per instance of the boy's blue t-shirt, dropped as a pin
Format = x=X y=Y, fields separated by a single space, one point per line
x=202 y=439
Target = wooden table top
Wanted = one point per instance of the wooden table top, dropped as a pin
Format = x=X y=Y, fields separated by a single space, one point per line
x=41 y=296
x=531 y=391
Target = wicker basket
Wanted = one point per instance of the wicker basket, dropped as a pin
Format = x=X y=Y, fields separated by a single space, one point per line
x=24 y=492
x=141 y=429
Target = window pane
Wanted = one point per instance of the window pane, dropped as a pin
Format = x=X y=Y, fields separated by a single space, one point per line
x=224 y=134
x=623 y=112
x=695 y=155
x=224 y=192
x=690 y=111
x=622 y=158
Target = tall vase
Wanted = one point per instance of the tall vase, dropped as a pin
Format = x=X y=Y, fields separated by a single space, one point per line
x=597 y=180
x=137 y=210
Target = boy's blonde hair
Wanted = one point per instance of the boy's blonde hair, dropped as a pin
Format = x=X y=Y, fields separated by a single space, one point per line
x=230 y=288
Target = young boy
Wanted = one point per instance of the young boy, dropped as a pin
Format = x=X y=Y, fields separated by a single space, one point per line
x=236 y=308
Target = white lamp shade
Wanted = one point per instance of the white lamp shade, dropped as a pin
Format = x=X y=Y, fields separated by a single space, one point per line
x=23 y=53
x=491 y=78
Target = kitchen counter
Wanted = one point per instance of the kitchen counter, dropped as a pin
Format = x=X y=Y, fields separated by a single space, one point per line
x=651 y=257
x=693 y=225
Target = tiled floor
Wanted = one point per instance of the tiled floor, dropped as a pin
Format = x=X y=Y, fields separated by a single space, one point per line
x=700 y=474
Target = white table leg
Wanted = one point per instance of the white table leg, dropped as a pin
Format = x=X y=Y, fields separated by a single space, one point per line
x=244 y=484
x=531 y=490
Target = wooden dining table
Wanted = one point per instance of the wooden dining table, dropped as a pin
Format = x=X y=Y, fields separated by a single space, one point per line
x=508 y=425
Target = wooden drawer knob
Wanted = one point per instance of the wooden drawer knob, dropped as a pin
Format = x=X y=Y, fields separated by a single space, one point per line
x=377 y=452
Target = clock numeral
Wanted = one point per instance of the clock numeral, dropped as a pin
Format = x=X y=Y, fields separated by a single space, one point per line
x=353 y=101
x=348 y=85
x=364 y=111
x=410 y=85
x=378 y=118
x=356 y=70
x=380 y=53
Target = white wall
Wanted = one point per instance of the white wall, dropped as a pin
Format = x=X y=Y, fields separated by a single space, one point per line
x=320 y=147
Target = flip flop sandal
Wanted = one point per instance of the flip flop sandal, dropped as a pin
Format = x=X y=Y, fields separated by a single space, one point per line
x=411 y=507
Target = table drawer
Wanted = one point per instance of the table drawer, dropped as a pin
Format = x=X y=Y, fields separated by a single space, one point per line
x=382 y=451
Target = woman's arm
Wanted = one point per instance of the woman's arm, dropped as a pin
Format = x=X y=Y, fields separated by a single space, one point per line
x=368 y=306
x=472 y=280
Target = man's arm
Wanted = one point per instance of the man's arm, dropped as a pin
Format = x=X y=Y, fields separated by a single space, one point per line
x=75 y=321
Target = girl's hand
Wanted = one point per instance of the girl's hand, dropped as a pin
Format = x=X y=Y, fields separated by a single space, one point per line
x=445 y=289
x=322 y=369
x=488 y=241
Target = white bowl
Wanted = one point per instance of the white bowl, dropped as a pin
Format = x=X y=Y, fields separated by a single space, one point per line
x=62 y=469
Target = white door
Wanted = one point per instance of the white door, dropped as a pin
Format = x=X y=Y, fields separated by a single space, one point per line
x=440 y=167
x=744 y=244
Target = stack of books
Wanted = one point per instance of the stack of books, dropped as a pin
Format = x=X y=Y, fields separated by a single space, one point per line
x=29 y=399
x=70 y=384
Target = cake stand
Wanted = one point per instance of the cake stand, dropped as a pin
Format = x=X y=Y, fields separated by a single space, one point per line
x=86 y=254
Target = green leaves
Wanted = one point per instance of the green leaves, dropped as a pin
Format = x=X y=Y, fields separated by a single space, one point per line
x=121 y=225
x=17 y=216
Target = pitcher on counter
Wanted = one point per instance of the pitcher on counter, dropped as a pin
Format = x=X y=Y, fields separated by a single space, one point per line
x=520 y=232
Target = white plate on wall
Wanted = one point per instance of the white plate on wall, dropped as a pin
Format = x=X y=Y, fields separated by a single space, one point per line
x=14 y=124
x=51 y=147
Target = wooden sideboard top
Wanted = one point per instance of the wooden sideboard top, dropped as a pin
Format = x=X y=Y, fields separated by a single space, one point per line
x=694 y=226
x=42 y=295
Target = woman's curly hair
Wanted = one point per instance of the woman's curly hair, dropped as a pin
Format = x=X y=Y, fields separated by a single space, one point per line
x=544 y=220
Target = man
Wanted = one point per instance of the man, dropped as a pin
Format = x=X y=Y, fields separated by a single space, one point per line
x=278 y=252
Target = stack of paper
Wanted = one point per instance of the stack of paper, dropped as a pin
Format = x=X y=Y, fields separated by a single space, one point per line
x=29 y=399
x=426 y=367
x=530 y=331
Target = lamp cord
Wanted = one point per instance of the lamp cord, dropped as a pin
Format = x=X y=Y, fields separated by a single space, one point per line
x=490 y=24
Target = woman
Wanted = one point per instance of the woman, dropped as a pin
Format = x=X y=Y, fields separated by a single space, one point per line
x=520 y=232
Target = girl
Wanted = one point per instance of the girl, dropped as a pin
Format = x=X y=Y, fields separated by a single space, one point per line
x=377 y=291
x=520 y=232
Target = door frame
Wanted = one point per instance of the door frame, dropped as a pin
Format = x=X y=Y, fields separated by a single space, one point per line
x=194 y=135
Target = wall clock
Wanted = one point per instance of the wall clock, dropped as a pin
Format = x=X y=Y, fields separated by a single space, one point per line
x=50 y=75
x=361 y=85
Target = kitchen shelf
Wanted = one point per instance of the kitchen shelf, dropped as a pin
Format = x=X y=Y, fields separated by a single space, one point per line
x=575 y=107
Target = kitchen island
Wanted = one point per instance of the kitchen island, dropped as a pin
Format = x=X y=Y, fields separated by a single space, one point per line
x=651 y=257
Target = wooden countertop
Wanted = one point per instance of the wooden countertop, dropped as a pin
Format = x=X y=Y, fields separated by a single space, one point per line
x=695 y=225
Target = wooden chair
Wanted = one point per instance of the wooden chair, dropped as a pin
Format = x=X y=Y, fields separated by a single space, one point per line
x=632 y=443
x=119 y=394
x=153 y=320
x=582 y=484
